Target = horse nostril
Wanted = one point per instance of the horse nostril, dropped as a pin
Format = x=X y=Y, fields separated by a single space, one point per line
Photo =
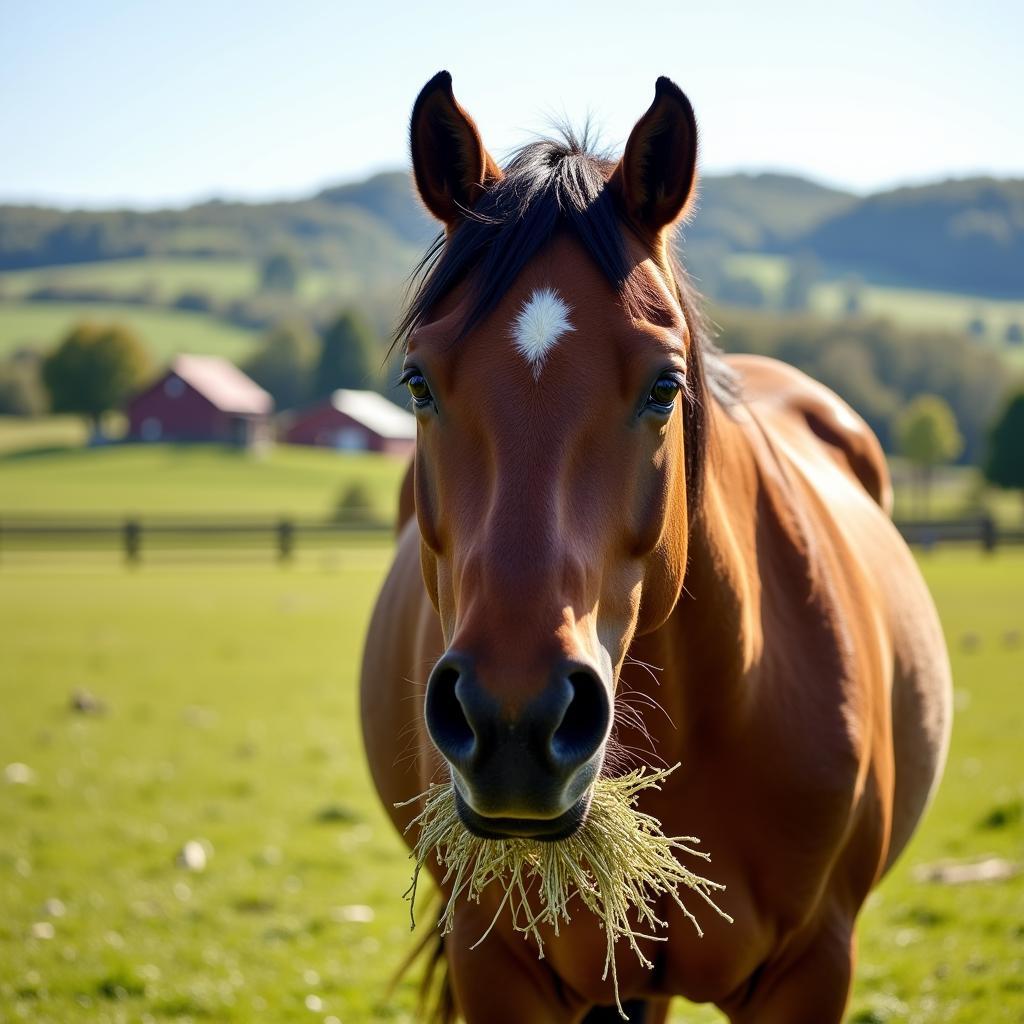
x=447 y=723
x=585 y=722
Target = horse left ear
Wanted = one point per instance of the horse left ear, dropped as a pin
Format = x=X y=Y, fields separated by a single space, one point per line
x=656 y=175
x=449 y=161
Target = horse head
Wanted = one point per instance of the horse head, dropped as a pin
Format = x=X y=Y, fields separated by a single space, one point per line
x=553 y=358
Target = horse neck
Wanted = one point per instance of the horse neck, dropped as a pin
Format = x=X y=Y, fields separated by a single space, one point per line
x=712 y=641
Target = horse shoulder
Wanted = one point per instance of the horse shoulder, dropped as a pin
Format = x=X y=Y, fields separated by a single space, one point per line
x=817 y=416
x=402 y=625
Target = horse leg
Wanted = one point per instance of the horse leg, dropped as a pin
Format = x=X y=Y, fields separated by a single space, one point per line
x=497 y=983
x=813 y=989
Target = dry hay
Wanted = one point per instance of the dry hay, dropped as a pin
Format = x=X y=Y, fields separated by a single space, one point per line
x=618 y=861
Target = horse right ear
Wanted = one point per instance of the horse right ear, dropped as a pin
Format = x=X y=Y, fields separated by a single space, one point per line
x=451 y=166
x=658 y=170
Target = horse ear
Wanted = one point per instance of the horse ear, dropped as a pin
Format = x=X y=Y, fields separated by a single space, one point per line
x=656 y=175
x=451 y=166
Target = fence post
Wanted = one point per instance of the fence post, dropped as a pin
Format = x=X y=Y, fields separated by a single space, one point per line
x=285 y=540
x=132 y=536
x=989 y=534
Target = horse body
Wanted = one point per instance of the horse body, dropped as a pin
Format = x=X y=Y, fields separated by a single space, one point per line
x=770 y=625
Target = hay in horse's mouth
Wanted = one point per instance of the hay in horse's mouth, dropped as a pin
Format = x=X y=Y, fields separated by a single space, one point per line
x=618 y=860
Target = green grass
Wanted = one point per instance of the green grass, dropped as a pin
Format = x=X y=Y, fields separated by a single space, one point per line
x=165 y=331
x=231 y=720
x=195 y=480
x=19 y=433
x=223 y=279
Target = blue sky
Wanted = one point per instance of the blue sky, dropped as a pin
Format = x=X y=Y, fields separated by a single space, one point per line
x=104 y=102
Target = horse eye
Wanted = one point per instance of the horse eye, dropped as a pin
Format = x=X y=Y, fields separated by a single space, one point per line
x=418 y=388
x=663 y=394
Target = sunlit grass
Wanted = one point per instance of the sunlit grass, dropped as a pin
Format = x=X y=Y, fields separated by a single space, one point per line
x=194 y=480
x=230 y=719
x=165 y=332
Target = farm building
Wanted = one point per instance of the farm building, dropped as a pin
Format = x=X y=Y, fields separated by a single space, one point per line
x=202 y=398
x=355 y=421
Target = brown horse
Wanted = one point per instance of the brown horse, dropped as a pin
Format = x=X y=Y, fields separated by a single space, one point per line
x=617 y=537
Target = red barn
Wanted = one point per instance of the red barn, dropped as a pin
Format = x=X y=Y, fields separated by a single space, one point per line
x=201 y=398
x=355 y=421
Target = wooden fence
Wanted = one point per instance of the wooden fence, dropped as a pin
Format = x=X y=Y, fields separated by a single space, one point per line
x=141 y=538
x=144 y=538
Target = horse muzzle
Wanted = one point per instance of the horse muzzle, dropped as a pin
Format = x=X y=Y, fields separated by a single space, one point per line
x=524 y=769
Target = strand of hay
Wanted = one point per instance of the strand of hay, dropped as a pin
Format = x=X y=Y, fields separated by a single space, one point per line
x=618 y=860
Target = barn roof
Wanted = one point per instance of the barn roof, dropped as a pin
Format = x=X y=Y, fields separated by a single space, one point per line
x=374 y=411
x=223 y=384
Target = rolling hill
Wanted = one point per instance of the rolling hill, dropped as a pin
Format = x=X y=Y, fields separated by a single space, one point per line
x=965 y=235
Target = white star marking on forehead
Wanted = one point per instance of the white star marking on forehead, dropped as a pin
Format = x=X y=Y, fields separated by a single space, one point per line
x=543 y=319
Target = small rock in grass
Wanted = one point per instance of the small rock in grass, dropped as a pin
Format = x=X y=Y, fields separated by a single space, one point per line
x=991 y=869
x=356 y=913
x=85 y=703
x=18 y=774
x=192 y=856
x=314 y=1003
x=42 y=930
x=54 y=907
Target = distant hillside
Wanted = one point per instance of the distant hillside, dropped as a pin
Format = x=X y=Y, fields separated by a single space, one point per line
x=966 y=236
x=960 y=235
x=390 y=198
x=757 y=212
x=327 y=234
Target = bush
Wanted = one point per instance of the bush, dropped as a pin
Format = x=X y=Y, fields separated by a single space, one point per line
x=356 y=505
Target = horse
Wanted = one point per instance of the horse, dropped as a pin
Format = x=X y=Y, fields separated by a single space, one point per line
x=617 y=543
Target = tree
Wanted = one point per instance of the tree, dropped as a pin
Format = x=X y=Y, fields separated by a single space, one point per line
x=853 y=295
x=1004 y=466
x=803 y=276
x=280 y=272
x=347 y=356
x=94 y=369
x=284 y=363
x=927 y=434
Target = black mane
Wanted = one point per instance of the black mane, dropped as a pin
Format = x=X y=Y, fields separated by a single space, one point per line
x=553 y=185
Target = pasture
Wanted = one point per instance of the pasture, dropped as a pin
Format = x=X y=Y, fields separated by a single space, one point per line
x=165 y=332
x=167 y=277
x=195 y=480
x=228 y=719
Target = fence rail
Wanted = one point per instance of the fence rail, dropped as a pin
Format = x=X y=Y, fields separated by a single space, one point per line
x=140 y=537
x=137 y=538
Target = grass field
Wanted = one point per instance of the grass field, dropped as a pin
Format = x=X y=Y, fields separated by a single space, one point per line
x=230 y=721
x=223 y=279
x=195 y=480
x=165 y=332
